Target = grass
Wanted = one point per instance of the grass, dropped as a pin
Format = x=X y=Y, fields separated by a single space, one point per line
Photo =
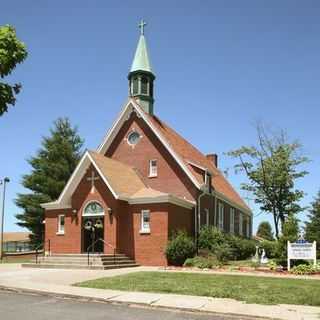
x=245 y=288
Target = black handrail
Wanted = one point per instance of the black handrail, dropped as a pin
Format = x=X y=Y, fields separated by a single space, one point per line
x=105 y=243
x=43 y=245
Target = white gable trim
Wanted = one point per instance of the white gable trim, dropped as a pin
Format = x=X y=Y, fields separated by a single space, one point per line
x=64 y=200
x=124 y=115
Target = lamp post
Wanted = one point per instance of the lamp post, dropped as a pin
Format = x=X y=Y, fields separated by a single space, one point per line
x=2 y=182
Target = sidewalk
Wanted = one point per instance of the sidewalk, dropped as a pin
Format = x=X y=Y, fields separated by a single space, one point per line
x=58 y=283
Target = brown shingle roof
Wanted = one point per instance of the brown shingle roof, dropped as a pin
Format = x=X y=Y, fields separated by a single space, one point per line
x=187 y=152
x=125 y=184
x=147 y=192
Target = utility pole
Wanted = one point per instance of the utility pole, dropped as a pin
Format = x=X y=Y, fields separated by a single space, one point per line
x=2 y=182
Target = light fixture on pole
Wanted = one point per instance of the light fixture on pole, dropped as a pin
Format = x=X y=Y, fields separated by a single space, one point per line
x=2 y=182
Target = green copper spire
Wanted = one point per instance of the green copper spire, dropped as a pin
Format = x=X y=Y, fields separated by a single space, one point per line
x=141 y=60
x=141 y=76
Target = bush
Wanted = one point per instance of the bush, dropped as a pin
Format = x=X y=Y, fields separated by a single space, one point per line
x=303 y=269
x=210 y=237
x=180 y=248
x=241 y=248
x=218 y=243
x=223 y=252
x=272 y=265
x=270 y=247
x=201 y=262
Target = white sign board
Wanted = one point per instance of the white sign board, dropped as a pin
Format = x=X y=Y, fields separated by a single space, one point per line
x=302 y=250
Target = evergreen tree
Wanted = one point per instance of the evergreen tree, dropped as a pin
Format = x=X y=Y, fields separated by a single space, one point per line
x=51 y=168
x=265 y=231
x=312 y=228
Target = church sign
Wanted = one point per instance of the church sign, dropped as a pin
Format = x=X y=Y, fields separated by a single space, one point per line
x=302 y=250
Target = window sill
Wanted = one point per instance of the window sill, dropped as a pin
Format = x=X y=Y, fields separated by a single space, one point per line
x=144 y=231
x=152 y=176
x=60 y=233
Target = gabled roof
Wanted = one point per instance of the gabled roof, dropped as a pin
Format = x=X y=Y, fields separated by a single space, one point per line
x=182 y=151
x=191 y=154
x=122 y=180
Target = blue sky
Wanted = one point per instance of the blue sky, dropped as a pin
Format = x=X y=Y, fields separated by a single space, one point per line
x=220 y=66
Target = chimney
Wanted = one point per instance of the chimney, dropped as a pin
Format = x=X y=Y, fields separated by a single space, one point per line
x=213 y=157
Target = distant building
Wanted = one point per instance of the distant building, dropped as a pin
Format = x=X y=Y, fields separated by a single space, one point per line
x=16 y=242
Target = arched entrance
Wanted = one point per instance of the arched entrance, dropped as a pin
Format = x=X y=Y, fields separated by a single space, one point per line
x=93 y=227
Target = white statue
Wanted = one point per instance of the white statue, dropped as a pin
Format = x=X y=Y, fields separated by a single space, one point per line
x=264 y=259
x=255 y=258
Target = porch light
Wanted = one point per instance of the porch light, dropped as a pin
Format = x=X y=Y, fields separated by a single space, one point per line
x=110 y=211
x=74 y=212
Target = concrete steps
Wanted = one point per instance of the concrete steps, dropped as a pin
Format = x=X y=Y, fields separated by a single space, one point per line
x=80 y=261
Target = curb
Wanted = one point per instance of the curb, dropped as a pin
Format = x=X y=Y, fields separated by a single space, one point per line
x=129 y=304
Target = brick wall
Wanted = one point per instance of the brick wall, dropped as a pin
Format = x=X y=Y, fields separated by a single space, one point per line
x=171 y=178
x=72 y=240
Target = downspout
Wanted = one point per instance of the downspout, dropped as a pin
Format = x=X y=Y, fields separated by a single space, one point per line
x=197 y=218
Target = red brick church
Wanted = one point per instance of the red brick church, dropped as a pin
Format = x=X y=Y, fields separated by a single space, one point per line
x=142 y=183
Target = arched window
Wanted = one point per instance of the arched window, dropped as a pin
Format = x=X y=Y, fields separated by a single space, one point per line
x=144 y=85
x=93 y=209
x=135 y=85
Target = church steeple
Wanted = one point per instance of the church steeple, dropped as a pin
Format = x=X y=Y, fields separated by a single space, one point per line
x=141 y=76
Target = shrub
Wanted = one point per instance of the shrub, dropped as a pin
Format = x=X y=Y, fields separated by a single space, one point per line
x=303 y=269
x=201 y=262
x=223 y=252
x=241 y=248
x=210 y=237
x=272 y=265
x=180 y=248
x=270 y=247
x=218 y=243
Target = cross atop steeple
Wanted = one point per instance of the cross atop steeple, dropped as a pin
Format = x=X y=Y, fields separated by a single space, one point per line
x=141 y=76
x=141 y=25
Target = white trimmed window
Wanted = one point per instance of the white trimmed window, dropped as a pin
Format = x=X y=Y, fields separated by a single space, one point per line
x=153 y=168
x=232 y=220
x=240 y=223
x=61 y=222
x=145 y=221
x=221 y=216
x=205 y=219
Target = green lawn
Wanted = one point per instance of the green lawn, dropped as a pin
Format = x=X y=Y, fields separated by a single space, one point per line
x=260 y=290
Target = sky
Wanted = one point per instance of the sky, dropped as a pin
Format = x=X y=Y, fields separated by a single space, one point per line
x=221 y=66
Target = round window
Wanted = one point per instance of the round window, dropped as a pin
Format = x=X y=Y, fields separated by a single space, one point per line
x=133 y=137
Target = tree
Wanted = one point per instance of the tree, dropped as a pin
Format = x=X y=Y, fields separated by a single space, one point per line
x=265 y=231
x=272 y=169
x=312 y=227
x=51 y=168
x=12 y=52
x=290 y=232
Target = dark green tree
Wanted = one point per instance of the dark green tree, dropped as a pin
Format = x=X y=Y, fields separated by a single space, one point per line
x=312 y=227
x=51 y=168
x=12 y=52
x=272 y=168
x=265 y=231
